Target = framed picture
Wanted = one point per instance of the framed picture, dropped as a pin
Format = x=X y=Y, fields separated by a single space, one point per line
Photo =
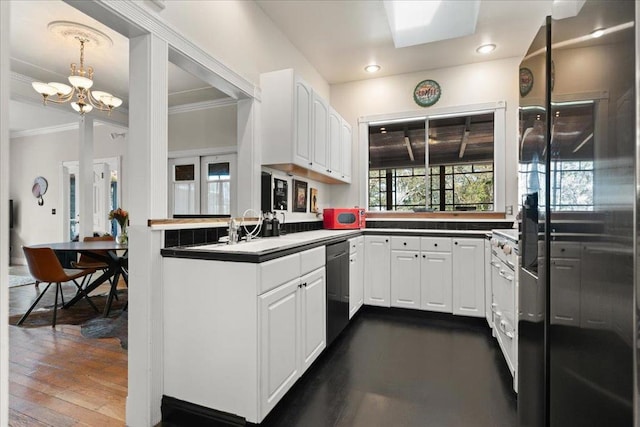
x=280 y=195
x=299 y=196
x=313 y=200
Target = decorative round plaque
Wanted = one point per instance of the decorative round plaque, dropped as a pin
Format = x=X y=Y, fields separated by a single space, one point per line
x=426 y=93
x=526 y=81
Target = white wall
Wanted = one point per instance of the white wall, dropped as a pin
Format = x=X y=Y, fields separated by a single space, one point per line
x=201 y=129
x=240 y=35
x=490 y=81
x=42 y=155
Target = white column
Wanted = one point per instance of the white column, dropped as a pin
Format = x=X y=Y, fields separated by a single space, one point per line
x=5 y=72
x=85 y=176
x=147 y=197
x=249 y=156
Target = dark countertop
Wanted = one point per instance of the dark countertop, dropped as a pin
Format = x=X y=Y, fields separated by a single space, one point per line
x=265 y=249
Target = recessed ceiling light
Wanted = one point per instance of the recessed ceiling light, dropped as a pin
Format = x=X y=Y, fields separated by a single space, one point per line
x=486 y=48
x=383 y=131
x=383 y=128
x=597 y=33
x=372 y=68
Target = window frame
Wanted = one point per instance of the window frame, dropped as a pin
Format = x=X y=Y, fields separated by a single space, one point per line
x=499 y=145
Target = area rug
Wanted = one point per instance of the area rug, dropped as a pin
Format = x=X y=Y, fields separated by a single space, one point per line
x=78 y=314
x=108 y=327
x=20 y=280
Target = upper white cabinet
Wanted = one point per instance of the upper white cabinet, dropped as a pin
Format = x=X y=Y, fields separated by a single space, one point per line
x=377 y=271
x=300 y=130
x=468 y=277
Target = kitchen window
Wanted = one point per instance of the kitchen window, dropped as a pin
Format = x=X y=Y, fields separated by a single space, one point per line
x=454 y=171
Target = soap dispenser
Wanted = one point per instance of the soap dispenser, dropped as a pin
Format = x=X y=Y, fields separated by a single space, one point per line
x=275 y=225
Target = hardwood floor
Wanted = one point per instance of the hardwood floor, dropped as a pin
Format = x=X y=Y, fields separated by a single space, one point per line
x=59 y=378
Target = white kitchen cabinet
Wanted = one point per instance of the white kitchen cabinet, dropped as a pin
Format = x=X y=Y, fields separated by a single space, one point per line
x=296 y=129
x=436 y=281
x=320 y=134
x=335 y=143
x=356 y=275
x=405 y=279
x=488 y=284
x=377 y=271
x=468 y=277
x=280 y=335
x=346 y=141
x=313 y=316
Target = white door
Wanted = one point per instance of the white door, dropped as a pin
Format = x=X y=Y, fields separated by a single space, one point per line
x=468 y=277
x=218 y=182
x=279 y=342
x=377 y=271
x=436 y=281
x=405 y=279
x=320 y=134
x=184 y=186
x=101 y=197
x=313 y=317
x=302 y=129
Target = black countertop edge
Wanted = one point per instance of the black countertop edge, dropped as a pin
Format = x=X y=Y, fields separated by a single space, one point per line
x=267 y=255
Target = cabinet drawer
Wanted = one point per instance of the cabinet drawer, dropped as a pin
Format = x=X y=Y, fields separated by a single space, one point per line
x=405 y=243
x=312 y=259
x=435 y=244
x=278 y=271
x=354 y=242
x=565 y=250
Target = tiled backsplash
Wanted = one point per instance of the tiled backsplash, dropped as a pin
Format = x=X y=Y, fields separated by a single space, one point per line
x=199 y=236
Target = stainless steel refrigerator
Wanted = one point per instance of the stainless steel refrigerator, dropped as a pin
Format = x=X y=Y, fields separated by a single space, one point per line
x=578 y=190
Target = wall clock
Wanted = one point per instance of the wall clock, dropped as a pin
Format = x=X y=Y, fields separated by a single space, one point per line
x=526 y=81
x=39 y=188
x=426 y=93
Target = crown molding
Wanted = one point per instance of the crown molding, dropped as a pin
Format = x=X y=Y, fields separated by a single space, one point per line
x=204 y=105
x=44 y=130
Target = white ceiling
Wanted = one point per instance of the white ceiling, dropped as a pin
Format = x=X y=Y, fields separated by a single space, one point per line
x=338 y=37
x=341 y=37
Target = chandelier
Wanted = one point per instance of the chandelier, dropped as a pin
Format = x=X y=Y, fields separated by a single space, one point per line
x=82 y=98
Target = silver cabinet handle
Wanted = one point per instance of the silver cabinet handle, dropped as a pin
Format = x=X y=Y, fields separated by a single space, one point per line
x=504 y=274
x=495 y=264
x=494 y=306
x=509 y=334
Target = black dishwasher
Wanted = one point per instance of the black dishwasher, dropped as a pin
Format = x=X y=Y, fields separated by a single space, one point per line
x=337 y=289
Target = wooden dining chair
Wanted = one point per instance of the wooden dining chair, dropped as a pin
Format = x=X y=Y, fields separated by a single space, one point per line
x=45 y=267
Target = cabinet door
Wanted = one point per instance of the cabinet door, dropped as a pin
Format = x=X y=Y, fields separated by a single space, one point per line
x=405 y=279
x=377 y=271
x=468 y=277
x=355 y=286
x=436 y=281
x=279 y=342
x=320 y=134
x=302 y=129
x=565 y=291
x=346 y=141
x=335 y=144
x=488 y=284
x=359 y=273
x=313 y=316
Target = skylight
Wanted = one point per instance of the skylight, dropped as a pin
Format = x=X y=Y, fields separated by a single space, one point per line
x=418 y=22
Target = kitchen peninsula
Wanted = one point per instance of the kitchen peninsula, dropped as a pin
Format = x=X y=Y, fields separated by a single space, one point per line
x=252 y=316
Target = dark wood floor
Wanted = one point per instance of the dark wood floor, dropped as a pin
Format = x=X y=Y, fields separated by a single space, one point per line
x=402 y=368
x=59 y=378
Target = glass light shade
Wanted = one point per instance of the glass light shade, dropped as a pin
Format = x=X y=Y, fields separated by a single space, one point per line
x=44 y=89
x=111 y=101
x=85 y=108
x=98 y=94
x=61 y=88
x=80 y=82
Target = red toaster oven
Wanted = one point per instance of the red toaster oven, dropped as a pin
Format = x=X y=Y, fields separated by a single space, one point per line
x=343 y=218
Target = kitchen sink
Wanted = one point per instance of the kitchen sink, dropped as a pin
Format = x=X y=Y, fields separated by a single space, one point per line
x=257 y=245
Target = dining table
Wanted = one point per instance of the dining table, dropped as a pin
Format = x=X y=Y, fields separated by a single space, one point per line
x=116 y=259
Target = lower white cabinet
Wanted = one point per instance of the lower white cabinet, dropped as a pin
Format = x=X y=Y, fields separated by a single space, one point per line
x=436 y=281
x=292 y=333
x=488 y=291
x=377 y=271
x=280 y=333
x=405 y=279
x=468 y=277
x=356 y=275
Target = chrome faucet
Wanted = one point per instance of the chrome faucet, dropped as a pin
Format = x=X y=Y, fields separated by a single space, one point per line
x=233 y=232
